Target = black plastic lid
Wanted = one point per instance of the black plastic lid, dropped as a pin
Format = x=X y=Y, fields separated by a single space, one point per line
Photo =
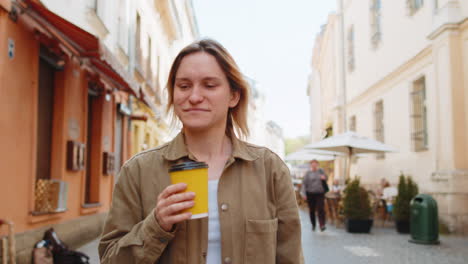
x=188 y=165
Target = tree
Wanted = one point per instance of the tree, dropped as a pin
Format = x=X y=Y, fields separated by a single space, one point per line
x=356 y=201
x=407 y=190
x=294 y=144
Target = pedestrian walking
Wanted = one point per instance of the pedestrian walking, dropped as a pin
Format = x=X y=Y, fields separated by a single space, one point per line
x=254 y=217
x=314 y=186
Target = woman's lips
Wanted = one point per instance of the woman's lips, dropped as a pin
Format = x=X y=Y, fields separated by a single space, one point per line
x=195 y=110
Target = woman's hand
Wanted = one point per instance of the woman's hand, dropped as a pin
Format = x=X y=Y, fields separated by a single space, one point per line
x=322 y=177
x=171 y=202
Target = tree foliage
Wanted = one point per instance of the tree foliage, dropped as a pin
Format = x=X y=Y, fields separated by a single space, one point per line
x=294 y=144
x=356 y=201
x=407 y=190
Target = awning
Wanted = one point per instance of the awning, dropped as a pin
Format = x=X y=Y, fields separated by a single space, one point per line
x=82 y=44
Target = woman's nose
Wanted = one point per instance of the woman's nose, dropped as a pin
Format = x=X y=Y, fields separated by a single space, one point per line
x=195 y=95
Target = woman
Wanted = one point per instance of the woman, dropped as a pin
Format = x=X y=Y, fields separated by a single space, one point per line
x=256 y=220
x=333 y=199
x=313 y=186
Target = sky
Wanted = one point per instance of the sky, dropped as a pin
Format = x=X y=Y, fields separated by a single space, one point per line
x=272 y=42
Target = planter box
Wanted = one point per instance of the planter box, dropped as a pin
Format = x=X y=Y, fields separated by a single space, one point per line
x=358 y=226
x=403 y=227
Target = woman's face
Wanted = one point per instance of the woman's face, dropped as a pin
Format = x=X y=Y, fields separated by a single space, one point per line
x=202 y=95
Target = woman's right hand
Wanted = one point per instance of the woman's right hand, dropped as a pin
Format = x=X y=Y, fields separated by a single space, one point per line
x=171 y=202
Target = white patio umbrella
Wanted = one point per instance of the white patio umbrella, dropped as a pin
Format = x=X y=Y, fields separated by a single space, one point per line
x=306 y=155
x=351 y=144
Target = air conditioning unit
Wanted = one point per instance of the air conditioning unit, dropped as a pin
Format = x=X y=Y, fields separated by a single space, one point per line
x=51 y=196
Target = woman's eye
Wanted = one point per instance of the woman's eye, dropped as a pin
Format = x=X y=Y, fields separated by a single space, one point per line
x=210 y=85
x=183 y=86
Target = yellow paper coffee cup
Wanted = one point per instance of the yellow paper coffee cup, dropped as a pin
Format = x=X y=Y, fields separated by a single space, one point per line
x=195 y=175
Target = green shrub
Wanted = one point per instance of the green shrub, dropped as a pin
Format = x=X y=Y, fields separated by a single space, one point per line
x=407 y=190
x=356 y=201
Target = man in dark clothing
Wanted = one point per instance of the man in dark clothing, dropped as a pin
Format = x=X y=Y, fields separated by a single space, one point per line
x=313 y=187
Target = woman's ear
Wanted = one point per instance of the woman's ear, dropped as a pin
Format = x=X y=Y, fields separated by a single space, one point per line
x=234 y=100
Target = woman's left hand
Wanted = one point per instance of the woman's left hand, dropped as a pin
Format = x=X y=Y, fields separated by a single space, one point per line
x=322 y=177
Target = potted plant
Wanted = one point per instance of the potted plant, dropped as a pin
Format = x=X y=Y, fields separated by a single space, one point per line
x=407 y=190
x=357 y=209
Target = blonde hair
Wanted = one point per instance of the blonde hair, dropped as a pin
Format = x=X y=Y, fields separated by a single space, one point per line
x=237 y=115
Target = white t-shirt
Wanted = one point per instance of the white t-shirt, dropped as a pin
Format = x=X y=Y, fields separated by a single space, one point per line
x=389 y=193
x=214 y=232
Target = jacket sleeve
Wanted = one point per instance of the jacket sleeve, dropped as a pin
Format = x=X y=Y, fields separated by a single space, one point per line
x=128 y=235
x=289 y=247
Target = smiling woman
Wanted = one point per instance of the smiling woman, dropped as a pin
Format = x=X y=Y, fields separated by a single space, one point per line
x=253 y=215
x=207 y=63
x=201 y=93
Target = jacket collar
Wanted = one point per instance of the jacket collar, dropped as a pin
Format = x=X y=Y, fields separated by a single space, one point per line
x=177 y=149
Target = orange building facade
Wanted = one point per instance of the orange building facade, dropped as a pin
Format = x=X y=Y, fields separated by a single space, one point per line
x=64 y=120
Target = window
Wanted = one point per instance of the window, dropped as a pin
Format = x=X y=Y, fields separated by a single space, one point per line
x=45 y=112
x=419 y=134
x=351 y=49
x=138 y=51
x=176 y=13
x=379 y=125
x=375 y=22
x=414 y=5
x=123 y=25
x=119 y=142
x=156 y=76
x=352 y=123
x=99 y=8
x=149 y=70
x=93 y=133
x=147 y=142
x=136 y=141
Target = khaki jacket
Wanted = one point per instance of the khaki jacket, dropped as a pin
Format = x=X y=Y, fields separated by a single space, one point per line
x=258 y=212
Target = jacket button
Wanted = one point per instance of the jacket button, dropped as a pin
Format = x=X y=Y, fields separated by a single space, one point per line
x=227 y=260
x=224 y=207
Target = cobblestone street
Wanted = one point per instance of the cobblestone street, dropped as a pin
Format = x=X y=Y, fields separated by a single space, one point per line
x=383 y=245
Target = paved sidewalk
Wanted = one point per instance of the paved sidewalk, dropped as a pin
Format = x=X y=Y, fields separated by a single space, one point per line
x=383 y=245
x=91 y=249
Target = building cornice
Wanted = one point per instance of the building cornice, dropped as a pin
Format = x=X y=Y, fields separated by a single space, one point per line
x=448 y=26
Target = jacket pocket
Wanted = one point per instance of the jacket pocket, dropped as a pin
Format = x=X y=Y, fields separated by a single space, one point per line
x=260 y=246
